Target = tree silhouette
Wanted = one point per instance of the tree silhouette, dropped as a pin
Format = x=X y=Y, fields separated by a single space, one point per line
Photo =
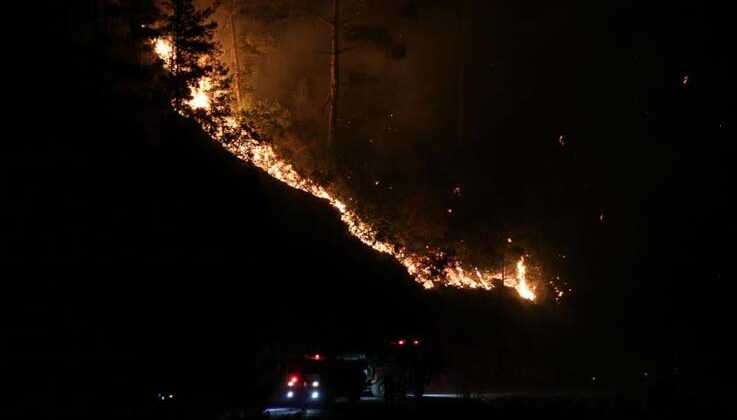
x=190 y=32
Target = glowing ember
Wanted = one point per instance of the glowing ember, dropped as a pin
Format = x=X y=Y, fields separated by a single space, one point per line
x=263 y=156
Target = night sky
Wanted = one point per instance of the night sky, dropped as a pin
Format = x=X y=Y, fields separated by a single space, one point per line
x=598 y=136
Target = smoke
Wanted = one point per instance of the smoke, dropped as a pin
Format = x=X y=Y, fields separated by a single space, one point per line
x=449 y=119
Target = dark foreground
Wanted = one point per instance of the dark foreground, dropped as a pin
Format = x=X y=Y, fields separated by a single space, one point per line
x=502 y=405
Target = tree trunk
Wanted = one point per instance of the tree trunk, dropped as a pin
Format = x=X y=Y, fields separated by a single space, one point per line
x=334 y=71
x=461 y=101
x=461 y=75
x=236 y=65
x=175 y=42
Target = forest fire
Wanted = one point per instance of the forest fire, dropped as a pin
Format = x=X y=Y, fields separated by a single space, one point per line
x=421 y=267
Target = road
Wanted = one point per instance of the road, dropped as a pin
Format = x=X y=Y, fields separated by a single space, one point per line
x=538 y=405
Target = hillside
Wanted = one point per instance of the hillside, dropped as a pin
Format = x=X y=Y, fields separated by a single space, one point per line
x=140 y=246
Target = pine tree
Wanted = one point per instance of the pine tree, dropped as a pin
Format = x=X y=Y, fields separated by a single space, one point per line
x=195 y=63
x=190 y=32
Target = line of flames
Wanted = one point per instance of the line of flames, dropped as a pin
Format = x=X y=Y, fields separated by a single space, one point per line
x=263 y=156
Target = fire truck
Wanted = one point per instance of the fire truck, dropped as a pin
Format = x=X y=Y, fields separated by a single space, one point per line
x=391 y=371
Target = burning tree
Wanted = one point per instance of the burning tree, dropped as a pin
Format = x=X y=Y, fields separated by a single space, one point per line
x=197 y=81
x=190 y=35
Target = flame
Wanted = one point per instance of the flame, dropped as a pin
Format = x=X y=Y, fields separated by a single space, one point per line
x=164 y=49
x=201 y=94
x=420 y=267
x=522 y=288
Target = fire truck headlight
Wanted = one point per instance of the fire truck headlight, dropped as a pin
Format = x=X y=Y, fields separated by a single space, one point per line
x=315 y=384
x=290 y=394
x=315 y=395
